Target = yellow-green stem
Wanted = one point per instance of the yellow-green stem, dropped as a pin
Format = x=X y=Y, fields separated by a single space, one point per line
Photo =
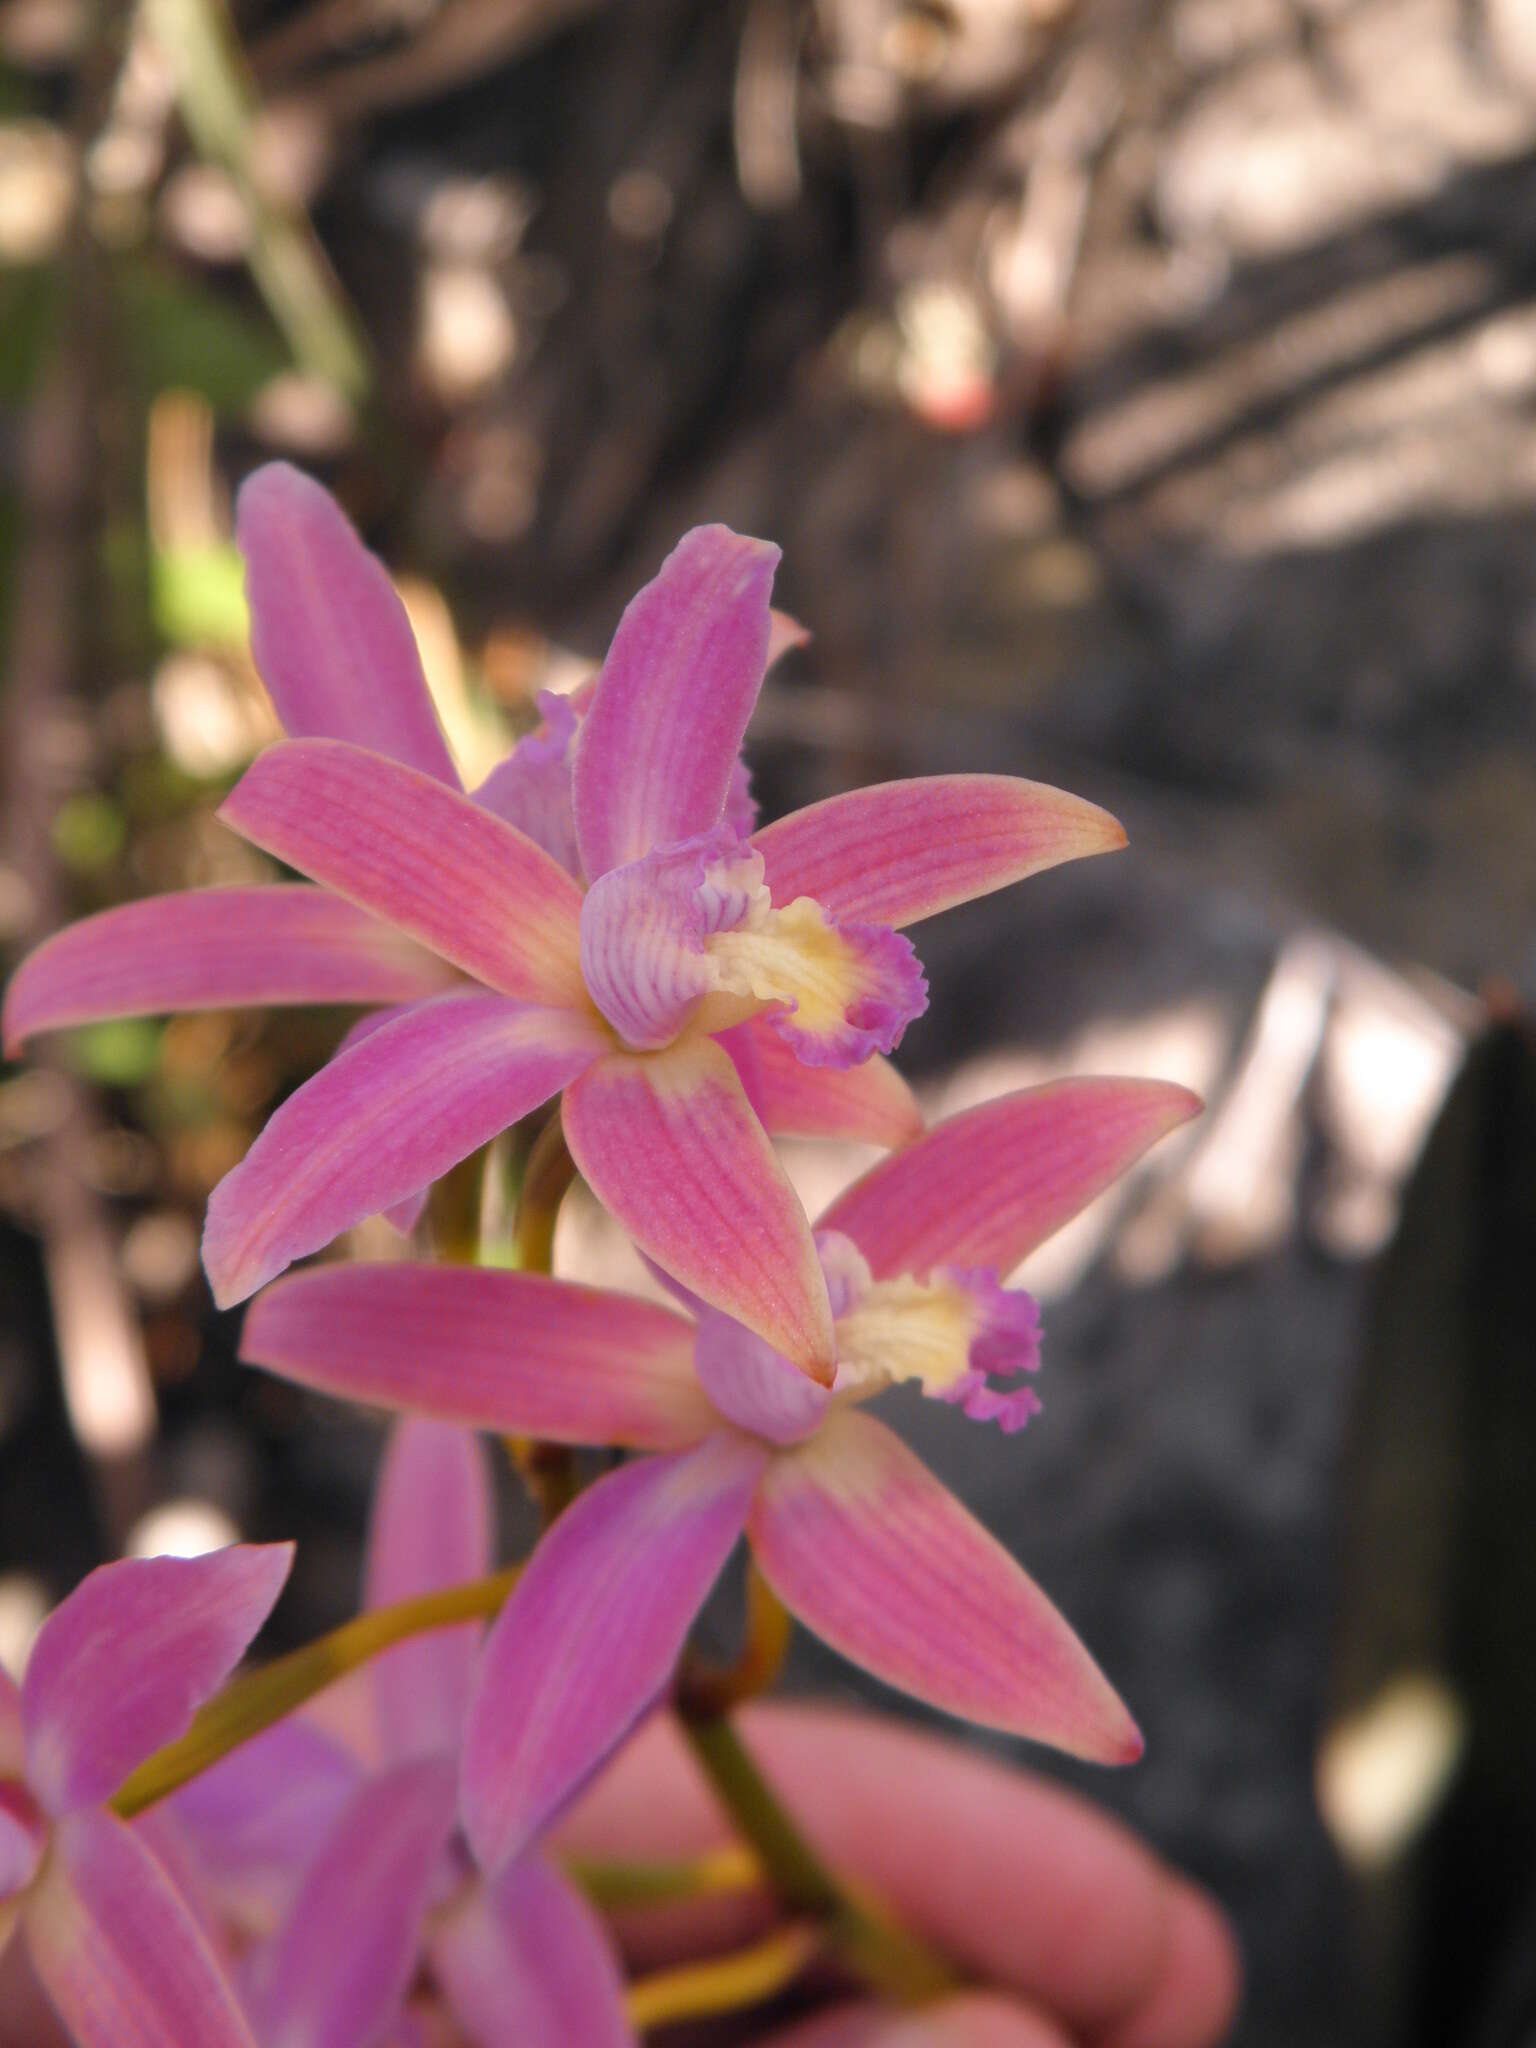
x=723 y=1983
x=548 y=1470
x=705 y=1689
x=615 y=1885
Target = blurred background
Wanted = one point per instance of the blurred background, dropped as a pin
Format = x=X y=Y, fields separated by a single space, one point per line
x=1144 y=395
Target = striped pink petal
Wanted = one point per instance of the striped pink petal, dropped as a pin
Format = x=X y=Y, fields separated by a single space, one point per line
x=343 y=1960
x=870 y=1102
x=859 y=1540
x=118 y=1950
x=985 y=1187
x=529 y=1945
x=899 y=851
x=669 y=1144
x=382 y=1121
x=657 y=749
x=213 y=949
x=329 y=634
x=531 y=788
x=588 y=1640
x=518 y=1353
x=122 y=1665
x=431 y=1526
x=429 y=861
x=402 y=1216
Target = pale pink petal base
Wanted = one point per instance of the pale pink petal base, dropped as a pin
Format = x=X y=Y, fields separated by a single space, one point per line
x=870 y=1102
x=860 y=1541
x=589 y=1638
x=530 y=1945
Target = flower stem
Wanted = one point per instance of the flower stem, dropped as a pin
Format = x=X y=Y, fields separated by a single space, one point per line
x=255 y=1700
x=706 y=1689
x=614 y=1886
x=723 y=1983
x=548 y=1470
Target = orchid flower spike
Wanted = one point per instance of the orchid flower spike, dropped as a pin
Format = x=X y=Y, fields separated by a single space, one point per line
x=332 y=1849
x=118 y=1669
x=690 y=985
x=846 y=1523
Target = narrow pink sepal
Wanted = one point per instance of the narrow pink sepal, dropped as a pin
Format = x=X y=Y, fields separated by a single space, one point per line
x=985 y=1187
x=429 y=861
x=870 y=1102
x=214 y=949
x=858 y=1539
x=589 y=1638
x=670 y=1146
x=381 y=1122
x=656 y=751
x=430 y=1527
x=530 y=1945
x=402 y=1216
x=517 y=1353
x=343 y=1960
x=899 y=851
x=329 y=635
x=122 y=1665
x=117 y=1948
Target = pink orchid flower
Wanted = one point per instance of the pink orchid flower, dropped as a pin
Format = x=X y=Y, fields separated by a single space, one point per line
x=118 y=1669
x=334 y=1845
x=846 y=1523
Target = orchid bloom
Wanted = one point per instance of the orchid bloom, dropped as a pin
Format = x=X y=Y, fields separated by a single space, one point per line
x=846 y=1523
x=118 y=1669
x=616 y=986
x=335 y=1848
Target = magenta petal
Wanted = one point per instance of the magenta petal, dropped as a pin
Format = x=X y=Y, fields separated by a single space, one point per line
x=529 y=1945
x=669 y=1144
x=899 y=851
x=381 y=1122
x=422 y=857
x=343 y=1961
x=589 y=1638
x=430 y=1527
x=211 y=949
x=531 y=788
x=985 y=1187
x=329 y=634
x=858 y=1539
x=118 y=1950
x=870 y=1102
x=122 y=1665
x=514 y=1352
x=657 y=750
x=403 y=1215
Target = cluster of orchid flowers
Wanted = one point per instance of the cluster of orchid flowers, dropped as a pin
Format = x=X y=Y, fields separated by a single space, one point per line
x=599 y=937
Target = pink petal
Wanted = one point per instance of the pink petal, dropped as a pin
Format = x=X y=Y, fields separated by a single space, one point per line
x=123 y=1664
x=329 y=634
x=531 y=788
x=670 y=1146
x=858 y=1538
x=870 y=1102
x=427 y=860
x=118 y=1950
x=404 y=1215
x=344 y=1959
x=899 y=851
x=431 y=1526
x=530 y=1945
x=211 y=949
x=985 y=1187
x=381 y=1122
x=656 y=751
x=589 y=1638
x=513 y=1352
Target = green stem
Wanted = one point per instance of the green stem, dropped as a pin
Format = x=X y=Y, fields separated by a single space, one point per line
x=617 y=1885
x=723 y=1983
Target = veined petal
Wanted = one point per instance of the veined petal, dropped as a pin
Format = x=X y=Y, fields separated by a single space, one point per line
x=670 y=1146
x=329 y=635
x=345 y=1956
x=214 y=949
x=430 y=1527
x=792 y=1100
x=751 y=1385
x=589 y=1637
x=518 y=1353
x=529 y=1945
x=403 y=1215
x=122 y=1665
x=656 y=750
x=382 y=1121
x=985 y=1187
x=899 y=851
x=858 y=1539
x=531 y=788
x=118 y=1950
x=429 y=861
